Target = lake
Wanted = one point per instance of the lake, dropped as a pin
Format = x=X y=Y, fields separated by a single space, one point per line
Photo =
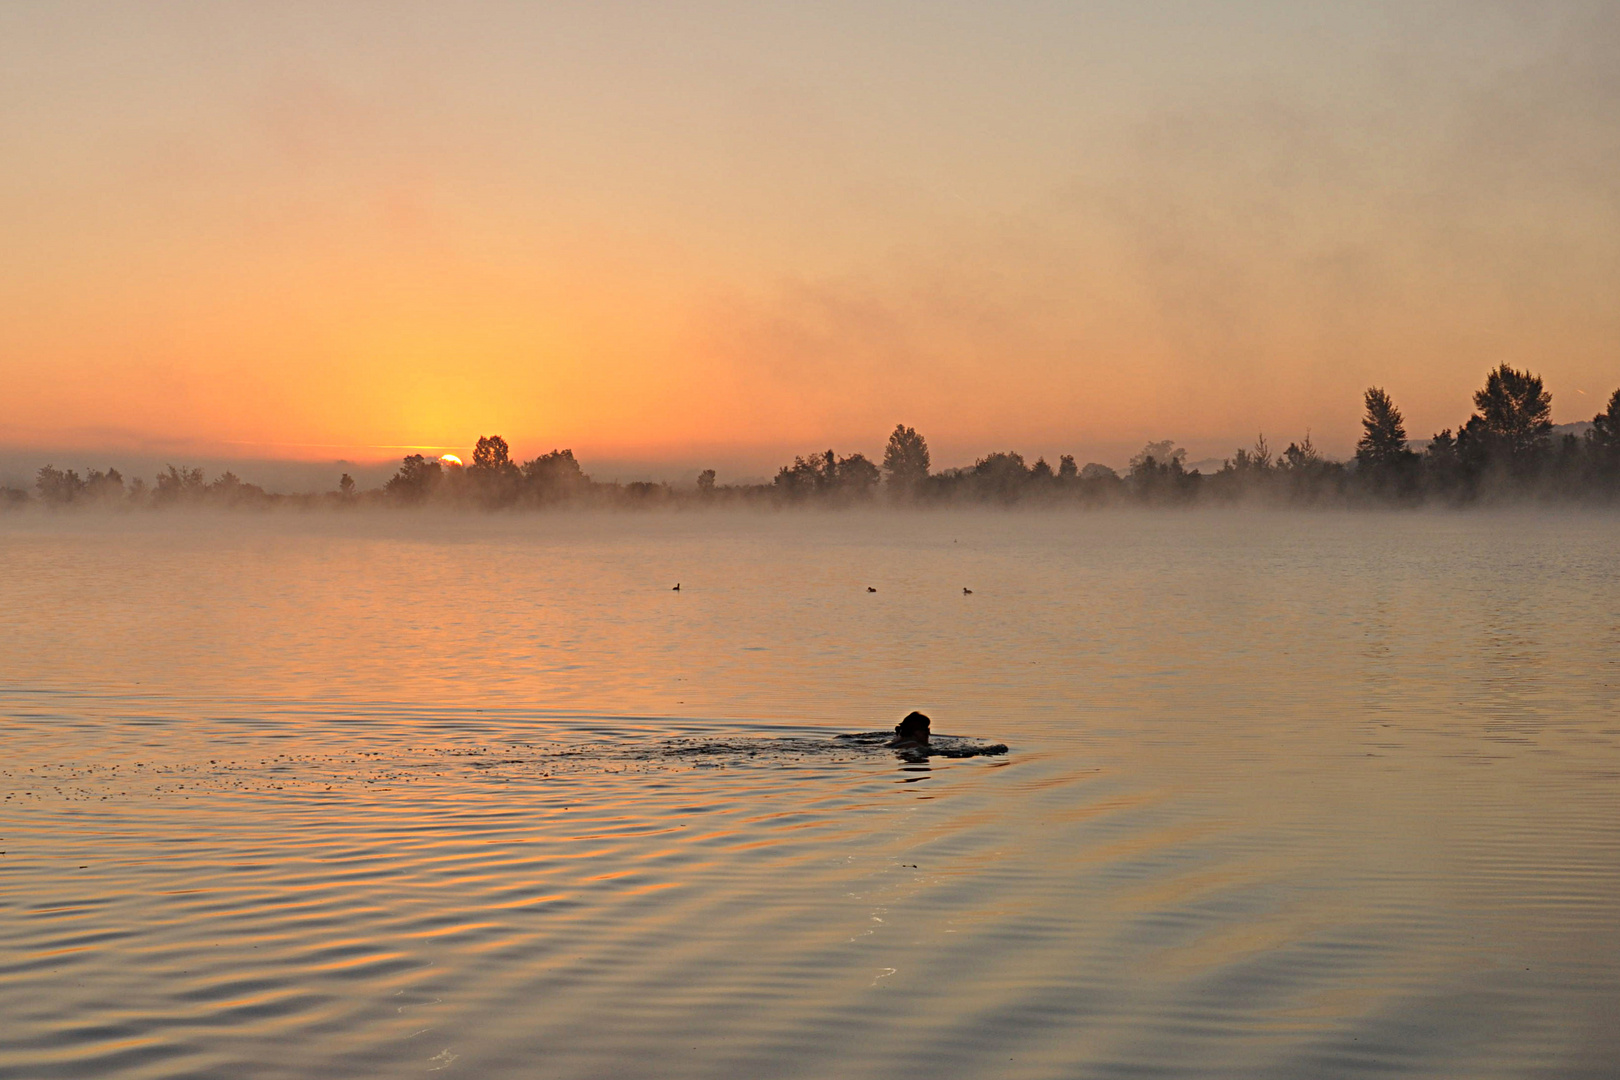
x=353 y=795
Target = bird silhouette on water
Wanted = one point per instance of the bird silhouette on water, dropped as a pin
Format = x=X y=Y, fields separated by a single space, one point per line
x=677 y=587
x=870 y=589
x=967 y=591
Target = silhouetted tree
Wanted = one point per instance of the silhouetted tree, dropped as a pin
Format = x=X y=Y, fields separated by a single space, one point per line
x=1515 y=417
x=1162 y=452
x=803 y=478
x=905 y=461
x=1474 y=448
x=58 y=487
x=416 y=479
x=1442 y=474
x=493 y=478
x=1603 y=443
x=1157 y=472
x=346 y=486
x=828 y=475
x=1002 y=475
x=1247 y=474
x=1067 y=470
x=554 y=477
x=1567 y=467
x=1308 y=476
x=1300 y=456
x=1384 y=465
x=1260 y=456
x=1244 y=462
x=229 y=489
x=104 y=487
x=1098 y=484
x=178 y=485
x=1605 y=430
x=705 y=481
x=492 y=455
x=856 y=476
x=1383 y=440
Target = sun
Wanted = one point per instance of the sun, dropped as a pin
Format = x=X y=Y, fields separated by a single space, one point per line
x=450 y=459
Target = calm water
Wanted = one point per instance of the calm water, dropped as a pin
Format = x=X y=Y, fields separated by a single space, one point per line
x=1288 y=796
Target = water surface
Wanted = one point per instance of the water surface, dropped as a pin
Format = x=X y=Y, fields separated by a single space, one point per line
x=344 y=795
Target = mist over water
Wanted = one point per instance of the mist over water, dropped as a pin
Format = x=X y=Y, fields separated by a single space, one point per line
x=1291 y=794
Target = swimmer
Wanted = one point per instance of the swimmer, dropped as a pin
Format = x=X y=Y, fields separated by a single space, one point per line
x=911 y=732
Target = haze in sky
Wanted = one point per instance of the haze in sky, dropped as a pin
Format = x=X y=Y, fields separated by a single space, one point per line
x=700 y=233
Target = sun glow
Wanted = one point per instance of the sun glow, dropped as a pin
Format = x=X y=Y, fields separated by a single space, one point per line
x=487 y=251
x=450 y=459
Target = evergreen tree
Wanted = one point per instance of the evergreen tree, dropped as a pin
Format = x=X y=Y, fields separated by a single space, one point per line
x=1383 y=442
x=1605 y=431
x=1603 y=443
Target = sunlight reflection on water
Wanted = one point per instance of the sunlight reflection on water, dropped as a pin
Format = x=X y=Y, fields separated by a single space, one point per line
x=1288 y=795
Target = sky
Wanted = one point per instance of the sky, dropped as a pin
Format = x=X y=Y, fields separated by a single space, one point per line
x=675 y=235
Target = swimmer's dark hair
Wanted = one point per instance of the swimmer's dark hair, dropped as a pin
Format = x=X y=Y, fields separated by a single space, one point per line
x=914 y=726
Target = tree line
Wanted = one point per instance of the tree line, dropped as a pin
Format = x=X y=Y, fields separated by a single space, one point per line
x=1505 y=450
x=176 y=486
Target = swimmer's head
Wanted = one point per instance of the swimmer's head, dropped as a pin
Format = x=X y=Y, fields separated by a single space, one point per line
x=914 y=726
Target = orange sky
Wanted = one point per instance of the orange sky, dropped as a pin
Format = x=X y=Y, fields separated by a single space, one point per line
x=737 y=231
